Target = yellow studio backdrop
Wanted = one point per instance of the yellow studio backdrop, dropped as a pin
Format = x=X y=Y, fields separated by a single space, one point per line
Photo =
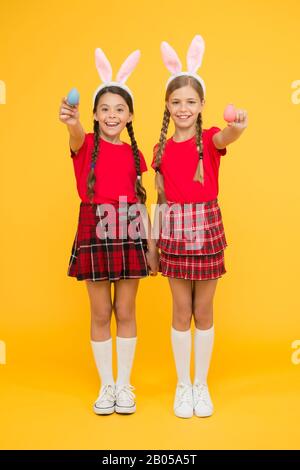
x=48 y=377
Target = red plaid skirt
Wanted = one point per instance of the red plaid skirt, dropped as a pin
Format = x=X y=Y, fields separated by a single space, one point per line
x=192 y=267
x=103 y=249
x=192 y=241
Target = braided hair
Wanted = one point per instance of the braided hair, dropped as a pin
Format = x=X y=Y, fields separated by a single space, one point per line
x=91 y=179
x=199 y=175
x=179 y=82
x=139 y=189
x=159 y=150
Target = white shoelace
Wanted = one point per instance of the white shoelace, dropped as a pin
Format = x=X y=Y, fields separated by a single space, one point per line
x=124 y=392
x=107 y=394
x=184 y=394
x=202 y=393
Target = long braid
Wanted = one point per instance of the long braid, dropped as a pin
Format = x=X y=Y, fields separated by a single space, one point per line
x=139 y=188
x=159 y=181
x=91 y=179
x=199 y=174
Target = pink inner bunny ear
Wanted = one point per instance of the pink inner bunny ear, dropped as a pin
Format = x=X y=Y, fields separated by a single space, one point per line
x=128 y=66
x=103 y=66
x=170 y=58
x=195 y=54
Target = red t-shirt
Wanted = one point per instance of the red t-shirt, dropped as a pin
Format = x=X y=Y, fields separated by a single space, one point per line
x=115 y=170
x=178 y=166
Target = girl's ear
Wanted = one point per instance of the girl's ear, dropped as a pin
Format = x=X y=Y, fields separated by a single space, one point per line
x=130 y=117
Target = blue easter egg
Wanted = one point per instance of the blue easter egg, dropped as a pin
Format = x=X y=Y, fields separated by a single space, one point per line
x=73 y=97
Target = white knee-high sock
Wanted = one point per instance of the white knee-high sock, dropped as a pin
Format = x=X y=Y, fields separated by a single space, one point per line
x=181 y=344
x=204 y=341
x=125 y=355
x=103 y=357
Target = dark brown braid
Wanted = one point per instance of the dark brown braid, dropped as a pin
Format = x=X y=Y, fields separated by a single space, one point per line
x=91 y=180
x=139 y=189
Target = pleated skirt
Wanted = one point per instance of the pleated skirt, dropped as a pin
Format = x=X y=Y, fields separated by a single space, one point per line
x=114 y=256
x=192 y=241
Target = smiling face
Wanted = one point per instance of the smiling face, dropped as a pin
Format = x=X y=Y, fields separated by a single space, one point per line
x=184 y=104
x=113 y=114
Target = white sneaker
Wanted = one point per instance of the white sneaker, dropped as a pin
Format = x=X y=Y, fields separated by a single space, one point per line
x=125 y=399
x=203 y=405
x=183 y=403
x=105 y=403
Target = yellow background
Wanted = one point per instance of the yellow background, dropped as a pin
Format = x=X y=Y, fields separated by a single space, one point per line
x=49 y=382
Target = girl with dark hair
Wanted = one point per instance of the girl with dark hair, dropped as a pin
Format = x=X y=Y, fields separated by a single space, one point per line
x=109 y=180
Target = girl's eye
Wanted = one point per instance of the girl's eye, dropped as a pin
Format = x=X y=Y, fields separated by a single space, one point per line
x=120 y=110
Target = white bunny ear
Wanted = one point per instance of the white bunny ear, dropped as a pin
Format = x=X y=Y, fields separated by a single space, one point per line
x=170 y=58
x=195 y=54
x=128 y=66
x=103 y=66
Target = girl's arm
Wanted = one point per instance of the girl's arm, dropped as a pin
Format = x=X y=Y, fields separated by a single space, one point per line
x=233 y=130
x=77 y=136
x=150 y=238
x=69 y=115
x=151 y=242
x=152 y=254
x=158 y=216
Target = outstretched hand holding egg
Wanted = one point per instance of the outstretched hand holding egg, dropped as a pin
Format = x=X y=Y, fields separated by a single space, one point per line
x=235 y=117
x=68 y=111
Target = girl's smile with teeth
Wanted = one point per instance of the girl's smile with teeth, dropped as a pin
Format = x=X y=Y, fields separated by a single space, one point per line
x=112 y=124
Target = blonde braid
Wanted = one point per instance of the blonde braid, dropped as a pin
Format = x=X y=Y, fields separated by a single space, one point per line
x=159 y=180
x=199 y=174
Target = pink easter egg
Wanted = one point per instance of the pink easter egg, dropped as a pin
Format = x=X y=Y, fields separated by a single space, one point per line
x=229 y=113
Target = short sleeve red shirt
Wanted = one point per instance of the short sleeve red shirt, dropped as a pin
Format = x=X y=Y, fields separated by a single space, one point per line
x=115 y=170
x=178 y=166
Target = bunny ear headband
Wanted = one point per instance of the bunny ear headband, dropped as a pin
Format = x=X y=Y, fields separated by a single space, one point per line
x=105 y=71
x=193 y=58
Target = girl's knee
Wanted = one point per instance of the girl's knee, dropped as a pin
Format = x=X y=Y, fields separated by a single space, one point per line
x=202 y=308
x=101 y=315
x=182 y=319
x=203 y=315
x=124 y=313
